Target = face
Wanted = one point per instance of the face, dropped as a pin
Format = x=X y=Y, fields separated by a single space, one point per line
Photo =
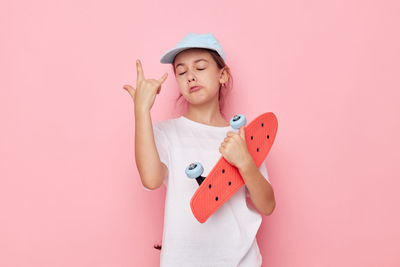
x=196 y=67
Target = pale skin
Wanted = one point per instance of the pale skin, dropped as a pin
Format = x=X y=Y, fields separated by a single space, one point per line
x=151 y=170
x=194 y=67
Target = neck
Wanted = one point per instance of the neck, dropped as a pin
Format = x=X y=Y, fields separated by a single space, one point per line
x=207 y=113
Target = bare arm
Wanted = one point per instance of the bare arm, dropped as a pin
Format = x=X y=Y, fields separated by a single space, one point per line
x=152 y=171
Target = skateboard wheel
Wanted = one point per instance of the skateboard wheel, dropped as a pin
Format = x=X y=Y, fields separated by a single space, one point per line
x=238 y=121
x=194 y=170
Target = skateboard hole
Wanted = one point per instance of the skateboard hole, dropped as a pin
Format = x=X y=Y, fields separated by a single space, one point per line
x=223 y=170
x=229 y=183
x=209 y=186
x=216 y=198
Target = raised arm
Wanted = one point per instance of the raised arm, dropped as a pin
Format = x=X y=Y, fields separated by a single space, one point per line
x=151 y=170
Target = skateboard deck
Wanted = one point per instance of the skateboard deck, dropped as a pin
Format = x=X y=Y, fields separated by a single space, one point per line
x=224 y=180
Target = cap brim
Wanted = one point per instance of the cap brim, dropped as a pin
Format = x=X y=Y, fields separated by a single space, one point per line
x=169 y=56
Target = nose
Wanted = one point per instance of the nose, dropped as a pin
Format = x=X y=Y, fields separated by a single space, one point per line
x=190 y=77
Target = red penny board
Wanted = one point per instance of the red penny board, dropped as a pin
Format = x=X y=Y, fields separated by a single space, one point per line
x=224 y=179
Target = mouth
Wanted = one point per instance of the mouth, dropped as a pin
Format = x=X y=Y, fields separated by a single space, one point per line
x=194 y=88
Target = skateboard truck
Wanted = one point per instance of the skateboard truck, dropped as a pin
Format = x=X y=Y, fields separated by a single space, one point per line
x=195 y=170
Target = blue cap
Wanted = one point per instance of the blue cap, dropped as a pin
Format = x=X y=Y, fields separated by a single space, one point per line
x=193 y=40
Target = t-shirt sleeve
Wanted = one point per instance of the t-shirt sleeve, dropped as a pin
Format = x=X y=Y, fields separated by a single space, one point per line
x=264 y=172
x=162 y=146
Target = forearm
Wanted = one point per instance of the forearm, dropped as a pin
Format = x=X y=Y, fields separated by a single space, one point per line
x=146 y=154
x=261 y=191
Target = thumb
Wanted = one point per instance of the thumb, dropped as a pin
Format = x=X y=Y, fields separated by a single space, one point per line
x=241 y=133
x=130 y=90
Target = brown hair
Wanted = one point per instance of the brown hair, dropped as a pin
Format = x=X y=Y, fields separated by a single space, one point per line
x=223 y=90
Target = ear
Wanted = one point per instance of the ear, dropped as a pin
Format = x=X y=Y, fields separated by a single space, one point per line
x=224 y=75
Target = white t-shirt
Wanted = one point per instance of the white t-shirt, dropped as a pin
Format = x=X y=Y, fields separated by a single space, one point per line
x=228 y=237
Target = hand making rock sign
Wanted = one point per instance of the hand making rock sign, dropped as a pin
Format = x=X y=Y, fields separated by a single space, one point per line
x=146 y=89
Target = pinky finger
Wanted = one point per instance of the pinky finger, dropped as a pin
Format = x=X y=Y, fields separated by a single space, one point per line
x=163 y=78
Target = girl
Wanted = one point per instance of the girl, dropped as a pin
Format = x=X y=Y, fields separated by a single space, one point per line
x=164 y=150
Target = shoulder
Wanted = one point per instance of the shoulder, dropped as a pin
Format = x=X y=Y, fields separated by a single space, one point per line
x=166 y=126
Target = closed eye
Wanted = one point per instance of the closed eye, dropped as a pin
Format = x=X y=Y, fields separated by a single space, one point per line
x=185 y=71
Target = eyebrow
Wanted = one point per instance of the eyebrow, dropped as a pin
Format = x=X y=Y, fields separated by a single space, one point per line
x=193 y=62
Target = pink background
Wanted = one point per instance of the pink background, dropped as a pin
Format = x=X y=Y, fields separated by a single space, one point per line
x=70 y=194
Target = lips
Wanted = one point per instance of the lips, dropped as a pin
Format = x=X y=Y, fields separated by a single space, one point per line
x=195 y=88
